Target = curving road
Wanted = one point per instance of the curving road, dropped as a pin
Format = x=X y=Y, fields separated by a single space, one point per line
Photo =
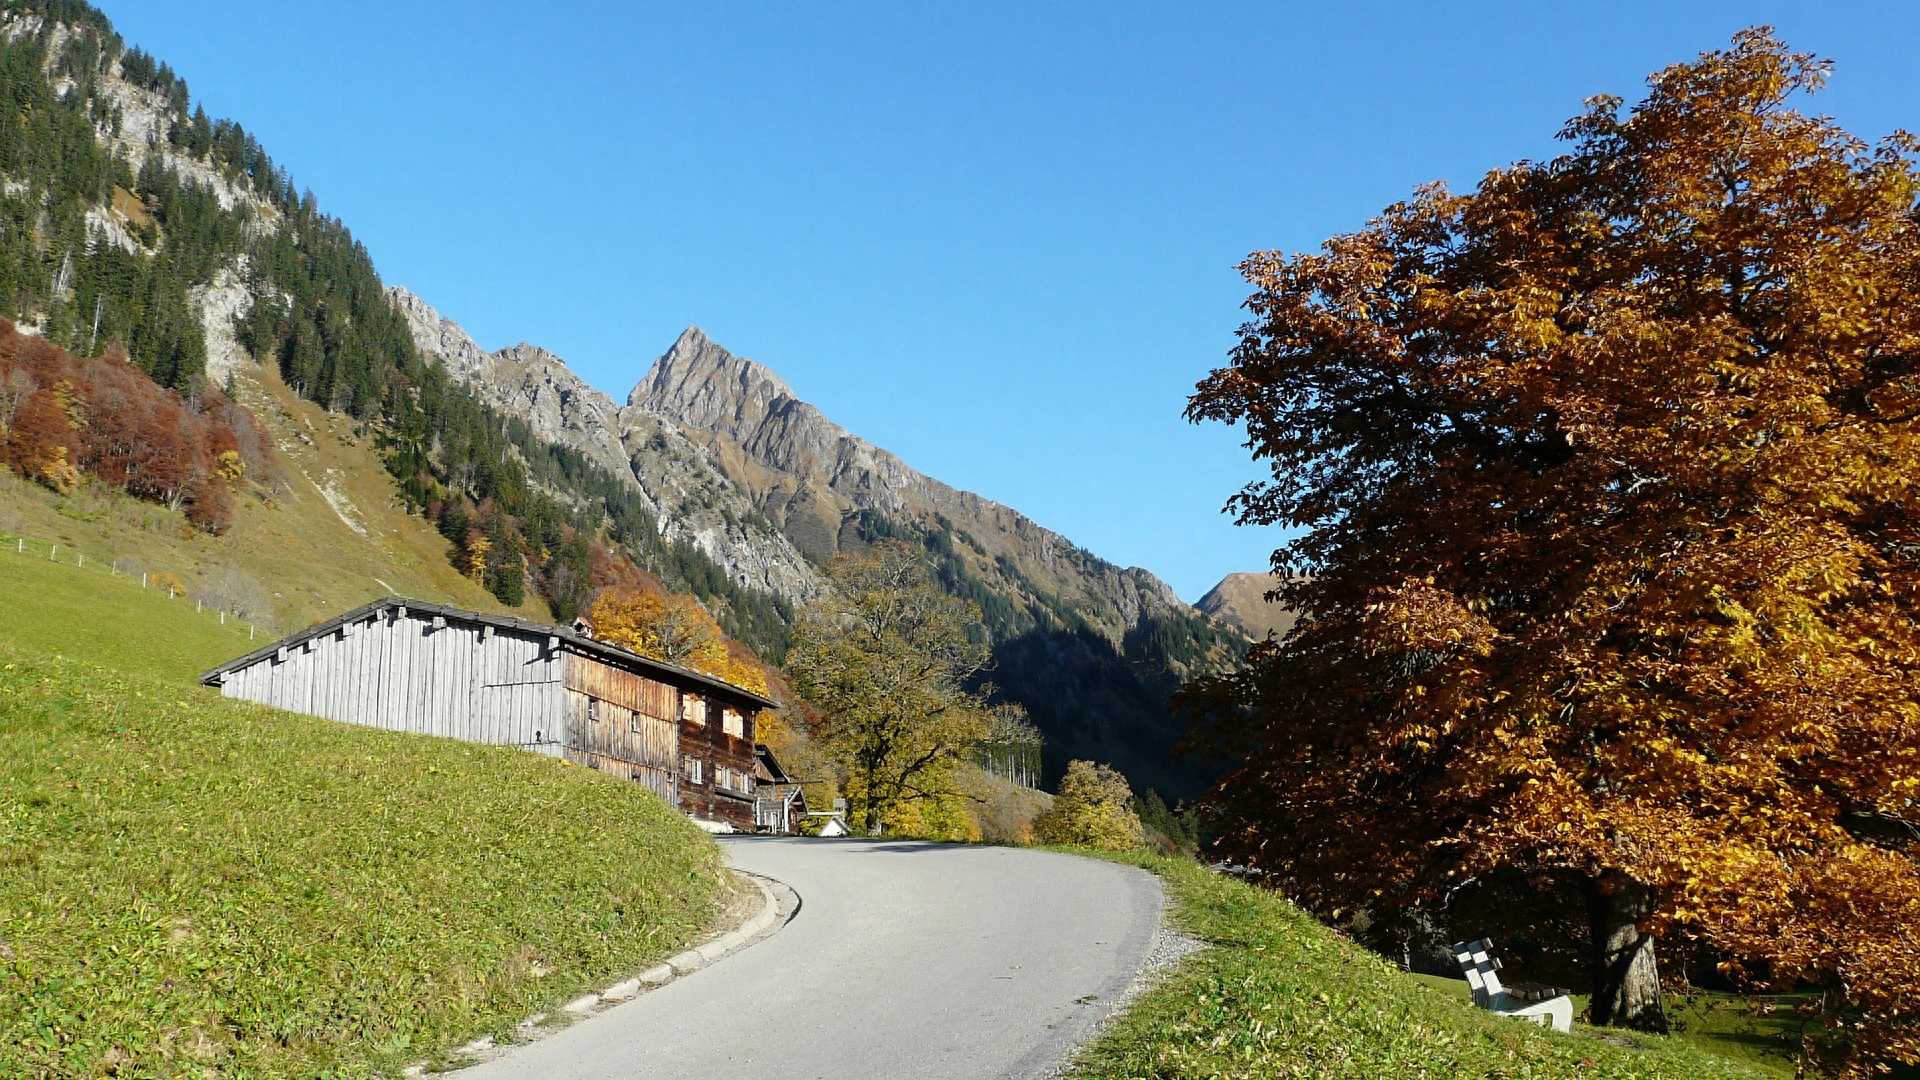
x=904 y=960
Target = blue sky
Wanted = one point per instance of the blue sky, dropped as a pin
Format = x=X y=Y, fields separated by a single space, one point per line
x=998 y=240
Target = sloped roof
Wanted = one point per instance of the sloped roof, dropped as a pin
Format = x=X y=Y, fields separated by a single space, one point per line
x=612 y=654
x=776 y=774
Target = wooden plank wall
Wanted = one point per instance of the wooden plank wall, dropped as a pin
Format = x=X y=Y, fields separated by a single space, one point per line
x=408 y=675
x=633 y=736
x=703 y=735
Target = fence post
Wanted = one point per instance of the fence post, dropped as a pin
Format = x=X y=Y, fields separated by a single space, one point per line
x=83 y=558
x=54 y=552
x=143 y=579
x=249 y=631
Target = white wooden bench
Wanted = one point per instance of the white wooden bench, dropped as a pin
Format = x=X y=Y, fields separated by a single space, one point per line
x=1482 y=968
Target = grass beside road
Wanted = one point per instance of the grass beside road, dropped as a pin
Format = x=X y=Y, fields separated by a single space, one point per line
x=191 y=886
x=1279 y=995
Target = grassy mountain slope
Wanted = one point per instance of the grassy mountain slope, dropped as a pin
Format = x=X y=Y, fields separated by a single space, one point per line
x=58 y=607
x=322 y=535
x=1241 y=600
x=1280 y=995
x=191 y=886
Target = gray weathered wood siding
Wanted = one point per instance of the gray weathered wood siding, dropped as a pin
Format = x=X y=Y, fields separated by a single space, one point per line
x=459 y=680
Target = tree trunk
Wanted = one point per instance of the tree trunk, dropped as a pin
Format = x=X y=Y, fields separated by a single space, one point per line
x=1626 y=977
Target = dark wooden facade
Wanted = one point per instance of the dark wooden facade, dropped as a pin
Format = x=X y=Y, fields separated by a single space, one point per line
x=416 y=666
x=716 y=760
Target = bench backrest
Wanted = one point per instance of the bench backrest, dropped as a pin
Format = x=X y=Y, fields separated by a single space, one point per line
x=1481 y=968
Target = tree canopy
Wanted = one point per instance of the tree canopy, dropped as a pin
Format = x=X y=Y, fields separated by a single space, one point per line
x=672 y=627
x=886 y=659
x=1606 y=480
x=1094 y=808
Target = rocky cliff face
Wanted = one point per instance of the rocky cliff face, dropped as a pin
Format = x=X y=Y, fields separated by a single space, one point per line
x=805 y=470
x=730 y=458
x=692 y=500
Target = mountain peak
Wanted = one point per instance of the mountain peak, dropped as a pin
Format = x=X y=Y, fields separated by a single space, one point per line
x=697 y=381
x=1241 y=599
x=528 y=353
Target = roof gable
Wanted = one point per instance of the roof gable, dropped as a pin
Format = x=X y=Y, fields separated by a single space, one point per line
x=566 y=636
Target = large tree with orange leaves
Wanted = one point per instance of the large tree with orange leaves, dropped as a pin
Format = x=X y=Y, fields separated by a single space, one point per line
x=672 y=627
x=1607 y=478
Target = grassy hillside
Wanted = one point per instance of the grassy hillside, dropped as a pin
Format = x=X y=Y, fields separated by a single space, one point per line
x=323 y=535
x=192 y=886
x=65 y=609
x=1278 y=995
x=1241 y=599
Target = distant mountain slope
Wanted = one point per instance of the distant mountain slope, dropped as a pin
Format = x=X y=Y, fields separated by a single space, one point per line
x=1240 y=599
x=732 y=460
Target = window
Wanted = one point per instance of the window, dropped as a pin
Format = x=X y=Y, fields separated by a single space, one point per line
x=733 y=780
x=693 y=709
x=593 y=709
x=734 y=724
x=691 y=766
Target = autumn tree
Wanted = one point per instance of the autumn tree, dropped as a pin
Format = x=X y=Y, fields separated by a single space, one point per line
x=674 y=628
x=886 y=658
x=1606 y=476
x=1094 y=808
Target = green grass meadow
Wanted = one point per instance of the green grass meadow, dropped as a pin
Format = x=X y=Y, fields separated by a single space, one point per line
x=1280 y=995
x=54 y=605
x=190 y=886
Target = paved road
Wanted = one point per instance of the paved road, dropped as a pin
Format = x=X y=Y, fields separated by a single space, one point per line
x=905 y=960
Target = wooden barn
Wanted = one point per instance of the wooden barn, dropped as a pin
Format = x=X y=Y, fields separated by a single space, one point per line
x=408 y=665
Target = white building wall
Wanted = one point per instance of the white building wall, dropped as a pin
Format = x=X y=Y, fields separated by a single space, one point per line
x=458 y=680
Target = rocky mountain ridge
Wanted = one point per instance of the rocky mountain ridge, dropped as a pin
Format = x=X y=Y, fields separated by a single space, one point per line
x=732 y=402
x=689 y=496
x=731 y=458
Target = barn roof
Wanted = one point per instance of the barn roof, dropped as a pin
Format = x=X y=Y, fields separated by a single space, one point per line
x=776 y=774
x=602 y=650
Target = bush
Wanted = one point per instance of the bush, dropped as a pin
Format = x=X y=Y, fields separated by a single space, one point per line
x=1094 y=809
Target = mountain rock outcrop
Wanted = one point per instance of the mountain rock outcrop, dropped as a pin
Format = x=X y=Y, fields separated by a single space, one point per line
x=691 y=499
x=729 y=458
x=811 y=475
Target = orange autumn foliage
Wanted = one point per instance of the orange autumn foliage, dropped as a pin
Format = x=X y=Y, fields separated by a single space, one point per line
x=62 y=416
x=674 y=628
x=1607 y=476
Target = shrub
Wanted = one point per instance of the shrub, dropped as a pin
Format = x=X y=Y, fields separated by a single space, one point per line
x=1094 y=809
